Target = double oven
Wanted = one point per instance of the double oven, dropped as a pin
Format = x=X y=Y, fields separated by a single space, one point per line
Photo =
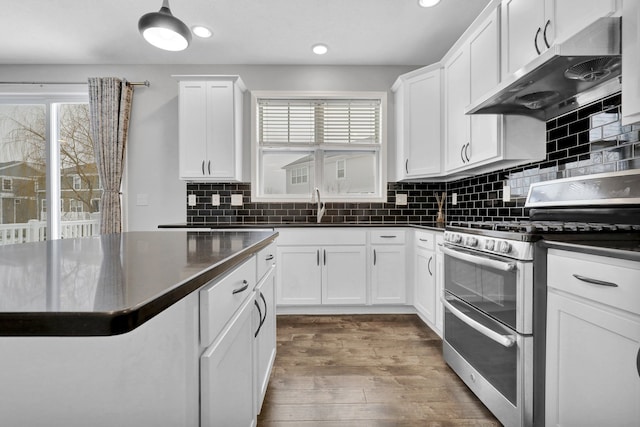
x=488 y=326
x=494 y=294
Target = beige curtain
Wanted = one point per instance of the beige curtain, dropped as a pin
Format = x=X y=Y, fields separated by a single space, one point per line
x=110 y=107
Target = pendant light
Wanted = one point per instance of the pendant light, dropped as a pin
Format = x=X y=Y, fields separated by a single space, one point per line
x=163 y=30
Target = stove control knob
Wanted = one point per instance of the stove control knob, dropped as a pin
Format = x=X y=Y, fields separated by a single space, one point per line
x=489 y=244
x=505 y=247
x=456 y=238
x=472 y=242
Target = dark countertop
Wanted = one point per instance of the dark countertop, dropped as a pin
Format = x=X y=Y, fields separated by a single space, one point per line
x=427 y=226
x=111 y=284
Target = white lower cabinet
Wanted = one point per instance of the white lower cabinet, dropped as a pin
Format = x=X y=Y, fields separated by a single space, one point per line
x=593 y=341
x=227 y=376
x=388 y=266
x=238 y=350
x=264 y=327
x=322 y=267
x=427 y=285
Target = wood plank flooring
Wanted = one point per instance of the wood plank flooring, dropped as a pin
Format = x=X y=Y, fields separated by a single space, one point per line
x=365 y=370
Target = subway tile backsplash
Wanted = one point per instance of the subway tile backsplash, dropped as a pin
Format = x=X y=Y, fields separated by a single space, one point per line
x=588 y=140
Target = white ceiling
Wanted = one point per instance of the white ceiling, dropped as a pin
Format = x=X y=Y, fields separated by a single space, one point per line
x=358 y=32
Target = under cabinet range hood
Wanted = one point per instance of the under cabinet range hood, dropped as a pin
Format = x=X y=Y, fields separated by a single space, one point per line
x=555 y=81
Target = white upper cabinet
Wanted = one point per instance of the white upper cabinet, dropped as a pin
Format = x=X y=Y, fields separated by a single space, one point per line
x=530 y=27
x=210 y=128
x=418 y=123
x=484 y=141
x=630 y=62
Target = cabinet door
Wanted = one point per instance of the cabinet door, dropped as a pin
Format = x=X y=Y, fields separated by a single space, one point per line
x=226 y=369
x=439 y=284
x=220 y=129
x=299 y=280
x=422 y=125
x=484 y=65
x=265 y=340
x=425 y=268
x=568 y=17
x=593 y=364
x=344 y=275
x=388 y=278
x=522 y=26
x=457 y=97
x=630 y=63
x=192 y=129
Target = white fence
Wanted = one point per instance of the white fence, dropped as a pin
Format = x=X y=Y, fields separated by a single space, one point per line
x=36 y=231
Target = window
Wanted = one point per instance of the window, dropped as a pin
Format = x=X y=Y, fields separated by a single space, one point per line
x=341 y=173
x=7 y=184
x=301 y=141
x=47 y=150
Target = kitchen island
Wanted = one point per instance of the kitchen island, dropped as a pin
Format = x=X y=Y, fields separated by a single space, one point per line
x=106 y=330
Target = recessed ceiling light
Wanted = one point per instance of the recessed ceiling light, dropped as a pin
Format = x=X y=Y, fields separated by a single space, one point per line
x=320 y=49
x=201 y=31
x=428 y=3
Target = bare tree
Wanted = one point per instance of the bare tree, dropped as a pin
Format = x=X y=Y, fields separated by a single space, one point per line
x=24 y=138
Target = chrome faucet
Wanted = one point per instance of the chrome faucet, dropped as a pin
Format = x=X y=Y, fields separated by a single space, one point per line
x=320 y=209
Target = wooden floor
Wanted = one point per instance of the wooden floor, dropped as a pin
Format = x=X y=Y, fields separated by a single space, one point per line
x=365 y=370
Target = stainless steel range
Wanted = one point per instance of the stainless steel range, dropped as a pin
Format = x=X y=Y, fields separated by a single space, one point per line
x=495 y=285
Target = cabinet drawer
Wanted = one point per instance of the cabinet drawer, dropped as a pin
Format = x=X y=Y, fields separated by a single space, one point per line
x=321 y=236
x=563 y=267
x=425 y=240
x=265 y=259
x=218 y=302
x=391 y=236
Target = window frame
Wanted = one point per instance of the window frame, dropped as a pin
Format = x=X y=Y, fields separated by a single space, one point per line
x=318 y=149
x=49 y=95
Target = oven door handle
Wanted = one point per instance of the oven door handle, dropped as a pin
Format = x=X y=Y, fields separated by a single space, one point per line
x=504 y=340
x=485 y=262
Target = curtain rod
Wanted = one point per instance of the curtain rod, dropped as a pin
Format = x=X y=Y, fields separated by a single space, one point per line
x=144 y=83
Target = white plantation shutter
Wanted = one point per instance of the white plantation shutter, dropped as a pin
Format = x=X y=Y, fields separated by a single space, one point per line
x=318 y=121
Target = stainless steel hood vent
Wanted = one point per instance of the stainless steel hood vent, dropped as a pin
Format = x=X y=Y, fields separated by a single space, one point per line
x=552 y=83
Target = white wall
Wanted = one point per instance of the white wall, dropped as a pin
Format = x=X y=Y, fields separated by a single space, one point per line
x=152 y=156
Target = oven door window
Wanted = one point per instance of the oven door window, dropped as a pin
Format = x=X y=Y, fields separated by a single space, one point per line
x=487 y=287
x=496 y=363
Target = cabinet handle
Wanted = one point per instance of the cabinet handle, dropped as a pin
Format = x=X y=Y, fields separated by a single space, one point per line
x=203 y=167
x=595 y=281
x=424 y=240
x=388 y=236
x=638 y=362
x=269 y=257
x=461 y=151
x=324 y=257
x=260 y=315
x=466 y=151
x=544 y=33
x=374 y=257
x=318 y=257
x=535 y=40
x=406 y=165
x=264 y=301
x=242 y=289
x=429 y=266
x=209 y=167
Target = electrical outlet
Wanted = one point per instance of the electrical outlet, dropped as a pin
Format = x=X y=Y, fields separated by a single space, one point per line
x=454 y=199
x=506 y=193
x=215 y=200
x=191 y=200
x=142 y=199
x=401 y=200
x=236 y=200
